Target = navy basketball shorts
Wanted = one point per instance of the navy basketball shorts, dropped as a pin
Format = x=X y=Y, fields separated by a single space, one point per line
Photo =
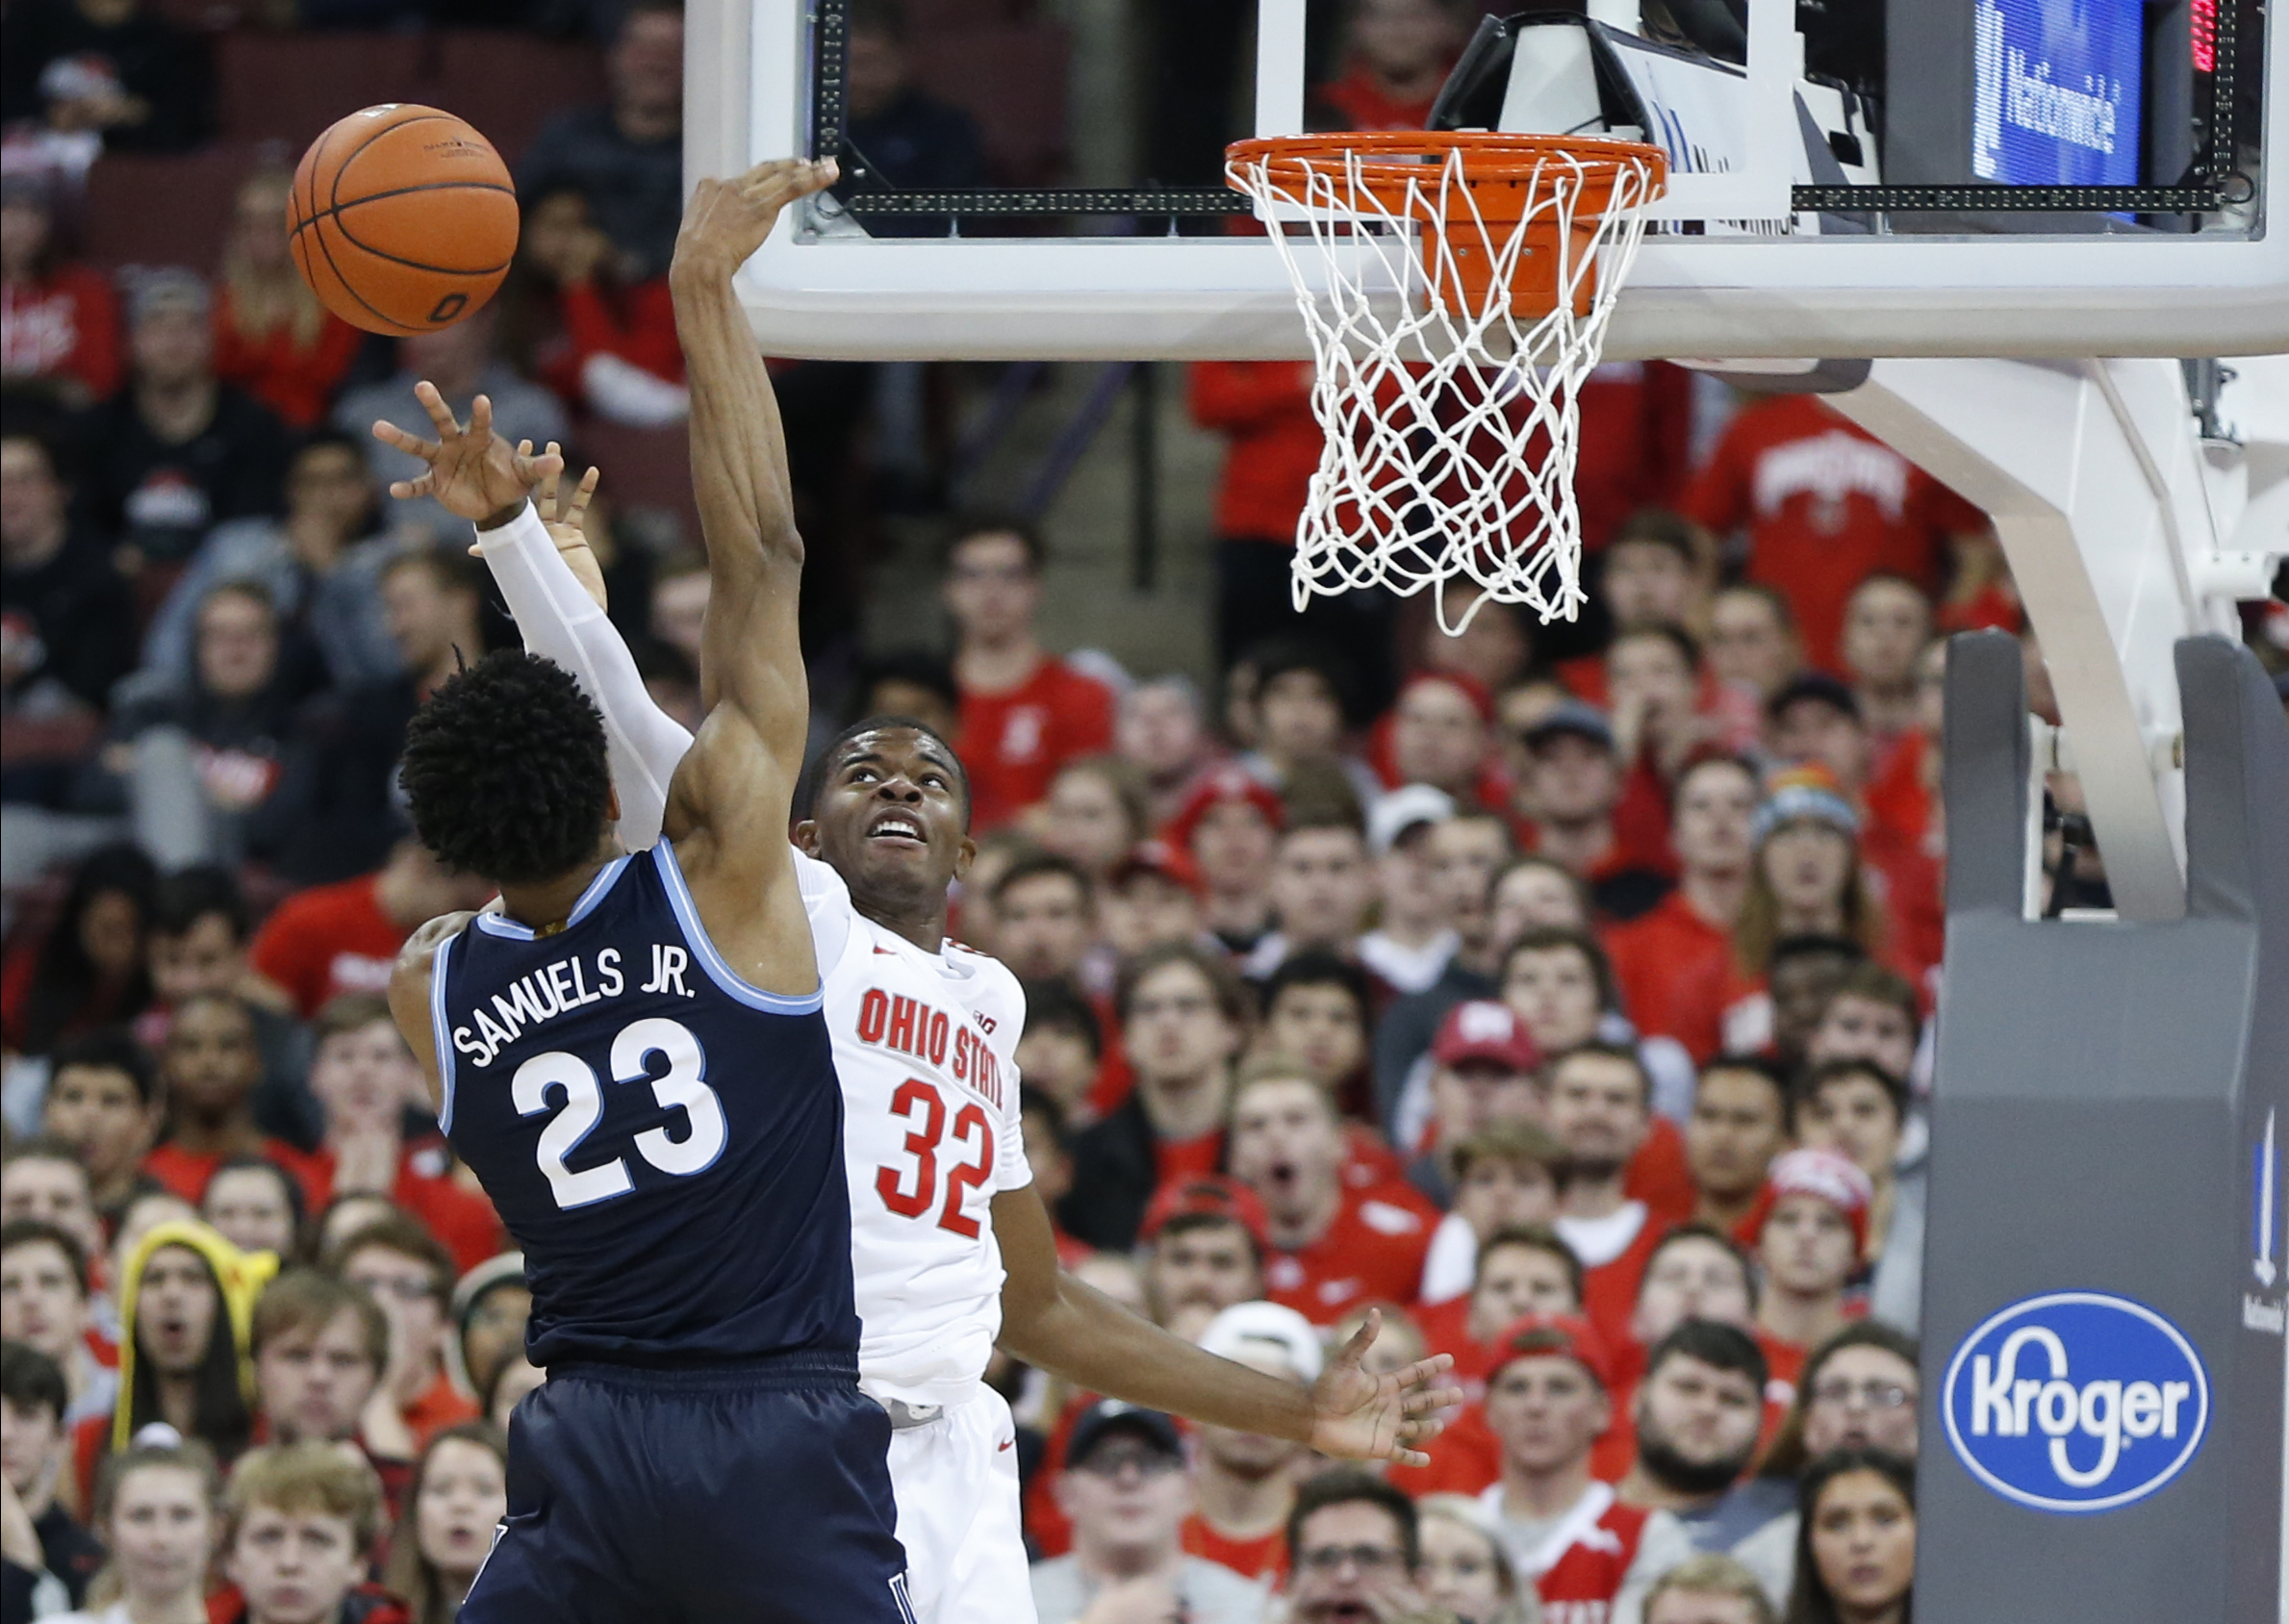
x=748 y=1493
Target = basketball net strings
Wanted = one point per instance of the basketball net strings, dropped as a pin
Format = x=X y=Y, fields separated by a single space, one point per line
x=1450 y=433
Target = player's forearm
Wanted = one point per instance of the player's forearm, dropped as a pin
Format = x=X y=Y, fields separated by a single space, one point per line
x=1093 y=1342
x=739 y=449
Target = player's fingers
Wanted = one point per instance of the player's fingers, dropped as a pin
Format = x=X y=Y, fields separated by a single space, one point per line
x=405 y=489
x=1423 y=1371
x=581 y=492
x=440 y=414
x=413 y=444
x=1355 y=1350
x=480 y=417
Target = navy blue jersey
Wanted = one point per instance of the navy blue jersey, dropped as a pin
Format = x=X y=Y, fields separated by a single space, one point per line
x=663 y=1140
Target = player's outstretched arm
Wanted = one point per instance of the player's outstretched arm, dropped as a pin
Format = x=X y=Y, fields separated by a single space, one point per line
x=729 y=802
x=1051 y=1320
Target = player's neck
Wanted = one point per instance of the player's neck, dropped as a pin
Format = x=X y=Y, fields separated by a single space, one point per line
x=545 y=906
x=1539 y=1495
x=923 y=922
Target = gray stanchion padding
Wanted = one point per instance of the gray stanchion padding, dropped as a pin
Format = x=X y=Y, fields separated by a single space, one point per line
x=2104 y=1280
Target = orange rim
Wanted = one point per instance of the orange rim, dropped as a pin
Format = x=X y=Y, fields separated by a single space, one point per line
x=1390 y=160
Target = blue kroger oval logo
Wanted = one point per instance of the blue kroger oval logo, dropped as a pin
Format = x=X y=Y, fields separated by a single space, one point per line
x=2075 y=1401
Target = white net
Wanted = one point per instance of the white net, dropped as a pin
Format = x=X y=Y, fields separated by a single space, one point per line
x=1457 y=292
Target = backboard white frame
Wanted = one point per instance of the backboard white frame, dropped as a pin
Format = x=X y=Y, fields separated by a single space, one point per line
x=814 y=291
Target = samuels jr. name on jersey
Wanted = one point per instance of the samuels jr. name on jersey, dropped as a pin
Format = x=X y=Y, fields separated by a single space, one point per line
x=573 y=982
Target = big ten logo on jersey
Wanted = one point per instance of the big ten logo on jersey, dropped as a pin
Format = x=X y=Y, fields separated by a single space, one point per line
x=911 y=1027
x=540 y=995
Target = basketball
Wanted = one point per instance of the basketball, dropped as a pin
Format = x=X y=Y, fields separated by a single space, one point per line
x=402 y=219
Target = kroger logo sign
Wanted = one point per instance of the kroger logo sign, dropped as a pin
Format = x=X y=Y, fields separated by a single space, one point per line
x=2075 y=1401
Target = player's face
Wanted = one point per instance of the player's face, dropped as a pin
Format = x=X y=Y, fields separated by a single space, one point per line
x=1864 y=1398
x=313 y=1383
x=98 y=1110
x=1209 y=1267
x=175 y=1308
x=1738 y=1128
x=1547 y=1411
x=41 y=1301
x=1807 y=1246
x=889 y=818
x=1517 y=1280
x=295 y=1567
x=1707 y=1416
x=1691 y=1279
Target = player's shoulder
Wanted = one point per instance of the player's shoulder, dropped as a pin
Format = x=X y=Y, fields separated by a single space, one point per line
x=992 y=989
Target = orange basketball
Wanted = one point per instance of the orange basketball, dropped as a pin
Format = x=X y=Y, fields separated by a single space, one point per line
x=403 y=219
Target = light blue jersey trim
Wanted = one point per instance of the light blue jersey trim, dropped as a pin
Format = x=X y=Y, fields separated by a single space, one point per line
x=495 y=925
x=687 y=915
x=438 y=1031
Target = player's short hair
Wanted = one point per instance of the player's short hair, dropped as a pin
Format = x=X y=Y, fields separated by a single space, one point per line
x=30 y=1380
x=823 y=765
x=38 y=1232
x=107 y=1048
x=306 y=1300
x=1347 y=1486
x=306 y=1478
x=505 y=771
x=1715 y=1344
x=1531 y=1237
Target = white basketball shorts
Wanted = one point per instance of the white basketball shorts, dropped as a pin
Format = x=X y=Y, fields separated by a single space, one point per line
x=955 y=1483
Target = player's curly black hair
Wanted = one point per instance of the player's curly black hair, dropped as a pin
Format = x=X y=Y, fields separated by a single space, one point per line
x=505 y=771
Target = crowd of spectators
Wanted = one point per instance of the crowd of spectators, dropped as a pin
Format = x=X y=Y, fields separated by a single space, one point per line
x=1563 y=993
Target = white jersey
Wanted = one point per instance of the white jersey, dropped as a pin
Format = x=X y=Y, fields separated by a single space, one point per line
x=925 y=1044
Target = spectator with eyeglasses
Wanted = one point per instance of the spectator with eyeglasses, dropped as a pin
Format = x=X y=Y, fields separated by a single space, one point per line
x=1125 y=1489
x=1860 y=1390
x=1355 y=1552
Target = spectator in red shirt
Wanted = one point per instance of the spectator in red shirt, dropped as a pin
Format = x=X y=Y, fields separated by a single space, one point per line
x=1739 y=1123
x=410 y=1276
x=303 y=1518
x=1333 y=1246
x=1809 y=1229
x=58 y=321
x=1599 y=1113
x=1206 y=1241
x=1824 y=504
x=1230 y=825
x=344 y=938
x=1663 y=958
x=1243 y=1486
x=1887 y=621
x=1591 y=1558
x=1025 y=712
x=1521 y=1269
x=272 y=338
x=577 y=317
x=367 y=1081
x=1182 y=1012
x=1483 y=1070
x=1752 y=642
x=212 y=1064
x=1398 y=55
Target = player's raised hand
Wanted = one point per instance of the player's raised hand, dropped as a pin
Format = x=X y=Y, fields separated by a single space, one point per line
x=726 y=221
x=472 y=473
x=1360 y=1416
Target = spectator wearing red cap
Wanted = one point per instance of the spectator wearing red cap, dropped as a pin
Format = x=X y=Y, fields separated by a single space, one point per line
x=1599 y=1114
x=1181 y=1013
x=1206 y=1241
x=1153 y=894
x=1504 y=1174
x=1024 y=713
x=1591 y=1558
x=1229 y=826
x=1521 y=1269
x=1412 y=940
x=1671 y=961
x=1483 y=1070
x=1334 y=1247
x=1243 y=1485
x=1808 y=1231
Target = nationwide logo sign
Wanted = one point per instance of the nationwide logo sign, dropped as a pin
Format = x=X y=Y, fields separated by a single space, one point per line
x=2075 y=1401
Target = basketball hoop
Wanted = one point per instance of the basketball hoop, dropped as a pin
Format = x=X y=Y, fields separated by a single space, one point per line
x=1456 y=288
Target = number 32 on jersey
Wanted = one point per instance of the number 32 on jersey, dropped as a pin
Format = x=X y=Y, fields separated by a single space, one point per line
x=912 y=1192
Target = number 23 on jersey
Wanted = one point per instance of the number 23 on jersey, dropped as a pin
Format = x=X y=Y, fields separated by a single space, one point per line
x=683 y=1087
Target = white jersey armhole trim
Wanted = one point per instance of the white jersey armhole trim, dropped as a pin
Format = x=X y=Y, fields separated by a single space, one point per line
x=495 y=925
x=438 y=1032
x=719 y=970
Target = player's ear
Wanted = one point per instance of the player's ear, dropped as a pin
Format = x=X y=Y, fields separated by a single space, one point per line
x=806 y=836
x=964 y=855
x=612 y=803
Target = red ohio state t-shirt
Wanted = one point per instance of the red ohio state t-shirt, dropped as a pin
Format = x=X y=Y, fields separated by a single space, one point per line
x=1373 y=1251
x=1013 y=743
x=1825 y=504
x=326 y=941
x=1668 y=962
